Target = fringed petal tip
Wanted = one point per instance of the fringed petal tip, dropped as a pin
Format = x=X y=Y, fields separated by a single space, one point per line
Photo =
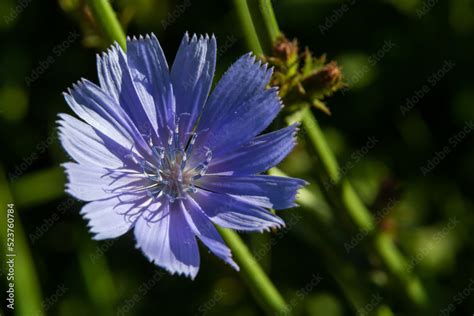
x=275 y=226
x=265 y=228
x=251 y=58
x=294 y=134
x=194 y=37
x=140 y=38
x=302 y=184
x=186 y=271
x=76 y=86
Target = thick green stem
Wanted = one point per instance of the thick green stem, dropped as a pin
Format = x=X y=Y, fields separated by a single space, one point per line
x=107 y=21
x=261 y=286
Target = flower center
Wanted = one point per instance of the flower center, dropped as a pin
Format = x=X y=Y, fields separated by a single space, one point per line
x=170 y=173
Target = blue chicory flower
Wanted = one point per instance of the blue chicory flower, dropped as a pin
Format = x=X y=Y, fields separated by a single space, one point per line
x=154 y=154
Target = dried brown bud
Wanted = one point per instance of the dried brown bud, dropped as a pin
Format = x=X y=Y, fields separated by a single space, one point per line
x=286 y=50
x=325 y=78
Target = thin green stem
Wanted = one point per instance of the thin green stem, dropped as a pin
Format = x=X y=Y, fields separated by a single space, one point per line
x=346 y=279
x=398 y=265
x=357 y=211
x=248 y=31
x=247 y=26
x=107 y=21
x=265 y=22
x=261 y=286
x=341 y=195
x=320 y=234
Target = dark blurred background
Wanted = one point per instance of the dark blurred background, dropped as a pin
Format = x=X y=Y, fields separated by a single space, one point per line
x=408 y=65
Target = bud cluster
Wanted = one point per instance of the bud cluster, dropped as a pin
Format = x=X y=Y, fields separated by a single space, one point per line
x=301 y=77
